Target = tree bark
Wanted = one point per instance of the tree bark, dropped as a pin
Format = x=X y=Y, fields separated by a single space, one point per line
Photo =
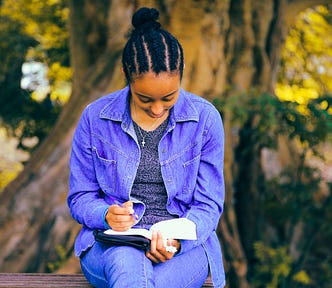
x=34 y=218
x=230 y=46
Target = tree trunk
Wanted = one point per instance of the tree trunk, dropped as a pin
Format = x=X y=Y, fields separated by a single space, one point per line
x=230 y=46
x=35 y=225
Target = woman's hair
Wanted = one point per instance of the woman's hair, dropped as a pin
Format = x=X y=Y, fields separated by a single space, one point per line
x=150 y=48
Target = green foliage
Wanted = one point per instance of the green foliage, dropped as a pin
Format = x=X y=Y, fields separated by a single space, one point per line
x=275 y=265
x=319 y=261
x=306 y=59
x=62 y=257
x=302 y=277
x=264 y=117
x=262 y=109
x=32 y=31
x=46 y=23
x=268 y=116
x=291 y=197
x=292 y=193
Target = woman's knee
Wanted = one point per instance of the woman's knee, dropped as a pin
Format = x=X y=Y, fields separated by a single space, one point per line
x=125 y=264
x=123 y=258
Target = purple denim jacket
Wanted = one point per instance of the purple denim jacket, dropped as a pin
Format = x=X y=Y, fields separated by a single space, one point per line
x=105 y=157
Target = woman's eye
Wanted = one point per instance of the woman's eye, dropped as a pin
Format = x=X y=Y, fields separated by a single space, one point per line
x=146 y=100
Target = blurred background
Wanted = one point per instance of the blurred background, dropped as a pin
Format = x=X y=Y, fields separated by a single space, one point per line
x=266 y=66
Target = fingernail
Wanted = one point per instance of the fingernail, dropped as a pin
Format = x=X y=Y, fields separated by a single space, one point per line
x=131 y=211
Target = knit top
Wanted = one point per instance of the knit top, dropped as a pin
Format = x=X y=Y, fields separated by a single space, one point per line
x=149 y=185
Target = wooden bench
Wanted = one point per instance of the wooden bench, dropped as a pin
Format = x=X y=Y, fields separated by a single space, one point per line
x=46 y=280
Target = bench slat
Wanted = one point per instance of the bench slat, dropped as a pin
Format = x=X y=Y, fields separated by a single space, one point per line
x=47 y=280
x=34 y=280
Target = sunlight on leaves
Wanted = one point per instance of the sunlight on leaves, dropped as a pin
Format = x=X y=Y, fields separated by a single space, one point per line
x=10 y=158
x=302 y=277
x=306 y=65
x=45 y=22
x=274 y=264
x=60 y=77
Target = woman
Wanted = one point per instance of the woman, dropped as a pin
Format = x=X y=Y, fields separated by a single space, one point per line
x=156 y=151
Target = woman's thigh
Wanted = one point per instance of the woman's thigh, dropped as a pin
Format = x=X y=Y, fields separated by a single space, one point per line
x=117 y=266
x=123 y=266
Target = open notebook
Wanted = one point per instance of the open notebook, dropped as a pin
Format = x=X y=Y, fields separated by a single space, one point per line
x=178 y=228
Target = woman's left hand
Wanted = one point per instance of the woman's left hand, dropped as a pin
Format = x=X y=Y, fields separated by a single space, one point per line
x=158 y=252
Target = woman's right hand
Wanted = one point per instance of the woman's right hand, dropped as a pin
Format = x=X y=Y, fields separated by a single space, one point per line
x=121 y=218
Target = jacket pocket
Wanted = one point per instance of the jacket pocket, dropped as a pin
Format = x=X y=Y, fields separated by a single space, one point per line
x=190 y=169
x=105 y=170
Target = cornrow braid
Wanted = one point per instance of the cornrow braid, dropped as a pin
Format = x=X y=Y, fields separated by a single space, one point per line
x=175 y=53
x=166 y=54
x=151 y=48
x=156 y=49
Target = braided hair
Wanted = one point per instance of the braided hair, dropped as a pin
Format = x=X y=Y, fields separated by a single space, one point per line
x=150 y=48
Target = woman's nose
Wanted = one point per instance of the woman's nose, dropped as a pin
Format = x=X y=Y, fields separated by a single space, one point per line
x=157 y=108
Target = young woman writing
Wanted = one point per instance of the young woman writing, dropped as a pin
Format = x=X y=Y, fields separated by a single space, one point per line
x=157 y=150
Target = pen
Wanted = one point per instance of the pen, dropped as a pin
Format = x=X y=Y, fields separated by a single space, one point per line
x=132 y=211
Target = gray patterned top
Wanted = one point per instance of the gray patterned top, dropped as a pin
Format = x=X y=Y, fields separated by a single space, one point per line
x=148 y=185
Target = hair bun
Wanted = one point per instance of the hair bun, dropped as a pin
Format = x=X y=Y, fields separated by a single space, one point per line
x=146 y=18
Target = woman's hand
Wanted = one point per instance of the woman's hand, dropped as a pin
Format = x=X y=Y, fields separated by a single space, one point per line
x=158 y=252
x=121 y=218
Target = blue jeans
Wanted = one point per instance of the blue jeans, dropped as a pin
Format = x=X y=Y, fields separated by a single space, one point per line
x=128 y=267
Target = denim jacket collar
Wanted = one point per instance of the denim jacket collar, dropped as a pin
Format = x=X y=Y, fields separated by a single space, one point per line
x=118 y=108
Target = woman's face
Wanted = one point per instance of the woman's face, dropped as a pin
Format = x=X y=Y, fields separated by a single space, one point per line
x=154 y=95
